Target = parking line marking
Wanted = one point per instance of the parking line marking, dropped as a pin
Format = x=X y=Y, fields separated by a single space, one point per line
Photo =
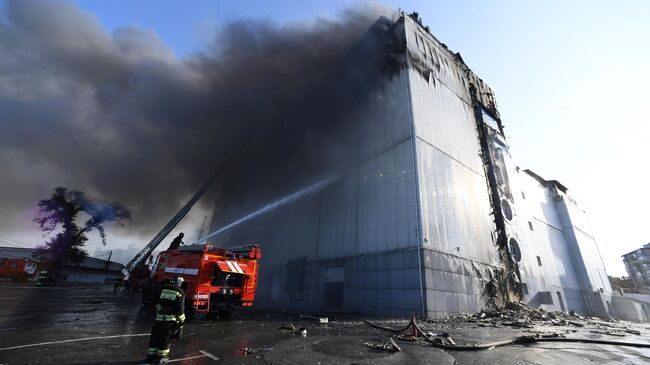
x=187 y=358
x=204 y=352
x=73 y=340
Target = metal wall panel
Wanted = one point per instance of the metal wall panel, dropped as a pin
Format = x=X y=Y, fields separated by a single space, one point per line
x=409 y=222
x=445 y=121
x=558 y=243
x=364 y=217
x=455 y=209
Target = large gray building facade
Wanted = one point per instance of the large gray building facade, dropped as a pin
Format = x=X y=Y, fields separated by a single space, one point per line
x=428 y=216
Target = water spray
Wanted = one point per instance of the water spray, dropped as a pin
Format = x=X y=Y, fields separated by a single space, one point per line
x=271 y=206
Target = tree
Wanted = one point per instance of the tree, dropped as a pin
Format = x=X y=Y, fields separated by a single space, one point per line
x=622 y=282
x=60 y=213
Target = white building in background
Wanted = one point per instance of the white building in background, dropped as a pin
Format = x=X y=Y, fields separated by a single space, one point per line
x=561 y=266
x=432 y=216
x=90 y=271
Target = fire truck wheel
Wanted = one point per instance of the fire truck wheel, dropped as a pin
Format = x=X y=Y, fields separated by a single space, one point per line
x=190 y=312
x=225 y=313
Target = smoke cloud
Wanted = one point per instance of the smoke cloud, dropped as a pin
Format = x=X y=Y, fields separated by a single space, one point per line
x=119 y=117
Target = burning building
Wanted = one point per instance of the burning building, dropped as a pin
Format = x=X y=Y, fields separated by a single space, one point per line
x=417 y=206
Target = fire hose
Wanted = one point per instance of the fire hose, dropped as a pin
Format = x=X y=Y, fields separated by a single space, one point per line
x=522 y=340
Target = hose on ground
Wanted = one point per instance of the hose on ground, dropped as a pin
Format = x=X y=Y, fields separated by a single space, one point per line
x=471 y=347
x=378 y=326
x=522 y=340
x=515 y=341
x=589 y=340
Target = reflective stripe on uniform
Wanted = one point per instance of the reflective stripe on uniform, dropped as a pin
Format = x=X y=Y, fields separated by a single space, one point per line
x=168 y=317
x=163 y=352
x=151 y=351
x=181 y=317
x=169 y=294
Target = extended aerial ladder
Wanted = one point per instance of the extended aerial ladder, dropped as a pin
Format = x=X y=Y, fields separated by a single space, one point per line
x=158 y=238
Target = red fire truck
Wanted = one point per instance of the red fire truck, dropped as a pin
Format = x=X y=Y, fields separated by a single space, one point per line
x=216 y=279
x=18 y=270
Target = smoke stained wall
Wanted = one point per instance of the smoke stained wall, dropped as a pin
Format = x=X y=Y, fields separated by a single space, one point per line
x=421 y=215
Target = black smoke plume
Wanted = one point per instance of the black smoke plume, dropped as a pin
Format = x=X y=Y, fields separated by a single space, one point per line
x=119 y=117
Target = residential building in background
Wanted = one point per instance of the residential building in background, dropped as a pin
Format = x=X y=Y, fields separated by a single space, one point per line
x=637 y=265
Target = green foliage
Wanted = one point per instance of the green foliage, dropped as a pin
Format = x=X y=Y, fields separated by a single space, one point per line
x=60 y=212
x=622 y=282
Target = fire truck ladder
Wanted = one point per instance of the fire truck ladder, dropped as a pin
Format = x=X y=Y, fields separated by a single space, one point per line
x=157 y=239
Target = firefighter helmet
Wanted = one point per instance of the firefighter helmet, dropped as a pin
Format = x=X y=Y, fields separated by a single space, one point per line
x=178 y=281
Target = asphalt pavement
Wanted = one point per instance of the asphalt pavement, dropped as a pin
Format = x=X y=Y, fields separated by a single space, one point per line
x=94 y=325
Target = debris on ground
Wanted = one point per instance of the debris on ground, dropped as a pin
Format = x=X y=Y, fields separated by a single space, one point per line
x=288 y=327
x=522 y=316
x=447 y=337
x=303 y=331
x=389 y=345
x=405 y=337
x=248 y=350
x=609 y=333
x=320 y=320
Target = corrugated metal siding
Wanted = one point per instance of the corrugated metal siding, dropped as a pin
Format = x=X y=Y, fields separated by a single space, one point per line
x=369 y=210
x=415 y=138
x=454 y=199
x=455 y=206
x=445 y=122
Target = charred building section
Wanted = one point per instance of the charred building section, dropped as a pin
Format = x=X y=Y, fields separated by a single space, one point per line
x=413 y=204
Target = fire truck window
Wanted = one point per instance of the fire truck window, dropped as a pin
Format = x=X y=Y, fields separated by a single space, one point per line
x=220 y=278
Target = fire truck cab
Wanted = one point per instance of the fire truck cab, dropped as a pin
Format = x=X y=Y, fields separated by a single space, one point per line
x=216 y=279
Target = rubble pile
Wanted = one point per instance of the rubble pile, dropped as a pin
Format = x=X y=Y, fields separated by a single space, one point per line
x=523 y=316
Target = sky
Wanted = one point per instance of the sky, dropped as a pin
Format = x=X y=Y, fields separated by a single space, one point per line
x=569 y=77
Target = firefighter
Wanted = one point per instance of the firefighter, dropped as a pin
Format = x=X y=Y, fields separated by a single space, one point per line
x=170 y=318
x=118 y=282
x=177 y=242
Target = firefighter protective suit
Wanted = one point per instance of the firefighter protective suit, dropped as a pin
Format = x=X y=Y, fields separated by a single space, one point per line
x=170 y=319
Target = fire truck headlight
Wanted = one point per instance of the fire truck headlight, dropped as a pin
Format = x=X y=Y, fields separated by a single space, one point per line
x=230 y=291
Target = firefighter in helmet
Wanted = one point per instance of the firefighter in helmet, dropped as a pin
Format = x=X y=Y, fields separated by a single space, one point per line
x=170 y=318
x=177 y=242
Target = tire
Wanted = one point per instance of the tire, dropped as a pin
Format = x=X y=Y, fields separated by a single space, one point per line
x=190 y=312
x=225 y=313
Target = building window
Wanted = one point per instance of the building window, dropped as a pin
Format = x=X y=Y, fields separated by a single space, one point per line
x=524 y=288
x=515 y=250
x=523 y=195
x=530 y=225
x=507 y=210
x=539 y=261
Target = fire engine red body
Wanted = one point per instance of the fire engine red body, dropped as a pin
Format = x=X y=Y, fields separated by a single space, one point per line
x=216 y=279
x=18 y=270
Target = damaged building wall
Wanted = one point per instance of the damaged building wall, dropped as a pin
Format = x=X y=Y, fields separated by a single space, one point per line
x=352 y=245
x=425 y=215
x=454 y=201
